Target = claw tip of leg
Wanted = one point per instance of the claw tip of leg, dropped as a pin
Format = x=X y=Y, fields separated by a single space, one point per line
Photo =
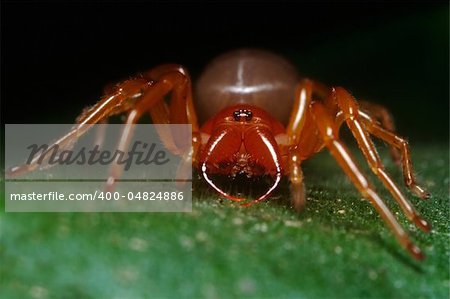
x=426 y=227
x=416 y=252
x=110 y=184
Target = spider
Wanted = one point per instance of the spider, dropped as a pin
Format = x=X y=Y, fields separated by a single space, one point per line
x=259 y=118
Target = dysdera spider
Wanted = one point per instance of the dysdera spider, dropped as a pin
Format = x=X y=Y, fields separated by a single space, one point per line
x=259 y=118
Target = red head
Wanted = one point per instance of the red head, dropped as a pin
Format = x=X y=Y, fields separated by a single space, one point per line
x=241 y=141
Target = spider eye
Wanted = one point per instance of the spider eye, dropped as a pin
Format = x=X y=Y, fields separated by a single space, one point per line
x=243 y=113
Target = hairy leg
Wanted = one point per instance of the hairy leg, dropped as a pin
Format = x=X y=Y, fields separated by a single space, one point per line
x=118 y=100
x=402 y=145
x=175 y=82
x=349 y=108
x=382 y=115
x=180 y=111
x=329 y=132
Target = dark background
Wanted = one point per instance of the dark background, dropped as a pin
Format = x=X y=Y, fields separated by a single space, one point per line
x=56 y=58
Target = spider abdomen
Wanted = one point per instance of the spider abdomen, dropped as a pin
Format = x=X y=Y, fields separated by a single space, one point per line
x=249 y=76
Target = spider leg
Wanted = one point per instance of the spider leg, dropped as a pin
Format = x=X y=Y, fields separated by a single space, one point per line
x=181 y=111
x=329 y=132
x=304 y=93
x=100 y=132
x=402 y=145
x=181 y=106
x=112 y=103
x=382 y=114
x=350 y=110
x=150 y=101
x=297 y=186
x=299 y=117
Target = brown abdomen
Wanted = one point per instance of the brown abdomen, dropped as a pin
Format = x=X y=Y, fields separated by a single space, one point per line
x=250 y=76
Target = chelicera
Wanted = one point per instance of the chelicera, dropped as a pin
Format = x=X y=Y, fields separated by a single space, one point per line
x=259 y=118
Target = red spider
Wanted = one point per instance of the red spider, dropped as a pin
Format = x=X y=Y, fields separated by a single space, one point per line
x=244 y=97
